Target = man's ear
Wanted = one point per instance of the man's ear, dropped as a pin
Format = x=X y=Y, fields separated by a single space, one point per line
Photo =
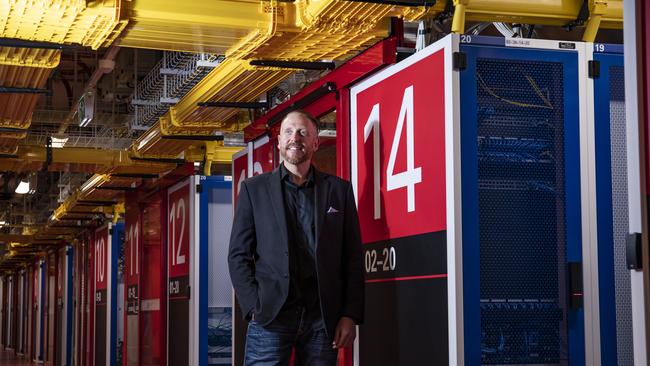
x=316 y=143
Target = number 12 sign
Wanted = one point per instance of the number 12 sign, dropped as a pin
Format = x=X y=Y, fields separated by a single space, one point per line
x=398 y=148
x=179 y=254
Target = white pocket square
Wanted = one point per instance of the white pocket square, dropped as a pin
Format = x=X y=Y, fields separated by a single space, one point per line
x=332 y=210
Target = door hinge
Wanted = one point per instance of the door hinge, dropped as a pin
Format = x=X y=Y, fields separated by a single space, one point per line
x=459 y=61
x=594 y=69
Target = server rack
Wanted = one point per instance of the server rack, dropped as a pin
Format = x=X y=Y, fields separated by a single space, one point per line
x=522 y=204
x=215 y=332
x=519 y=231
x=2 y=310
x=107 y=242
x=39 y=311
x=611 y=188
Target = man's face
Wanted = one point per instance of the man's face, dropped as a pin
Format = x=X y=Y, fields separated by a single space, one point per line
x=298 y=139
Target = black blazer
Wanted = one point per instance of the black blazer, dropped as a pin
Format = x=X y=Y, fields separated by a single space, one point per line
x=258 y=256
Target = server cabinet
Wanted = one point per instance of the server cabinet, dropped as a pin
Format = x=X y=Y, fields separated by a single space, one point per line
x=39 y=310
x=107 y=241
x=215 y=289
x=132 y=268
x=80 y=290
x=182 y=310
x=29 y=313
x=153 y=313
x=64 y=319
x=258 y=157
x=472 y=163
x=2 y=311
x=49 y=301
x=91 y=263
x=522 y=203
x=613 y=280
x=21 y=313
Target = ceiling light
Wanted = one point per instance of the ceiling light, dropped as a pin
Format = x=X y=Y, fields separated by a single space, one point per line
x=86 y=108
x=150 y=135
x=92 y=182
x=58 y=142
x=3 y=223
x=23 y=187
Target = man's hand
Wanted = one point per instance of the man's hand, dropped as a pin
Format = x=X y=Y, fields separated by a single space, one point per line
x=345 y=333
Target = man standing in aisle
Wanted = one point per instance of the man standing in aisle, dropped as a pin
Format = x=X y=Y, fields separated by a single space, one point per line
x=295 y=256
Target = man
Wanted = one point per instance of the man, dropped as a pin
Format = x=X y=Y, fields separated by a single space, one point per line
x=295 y=256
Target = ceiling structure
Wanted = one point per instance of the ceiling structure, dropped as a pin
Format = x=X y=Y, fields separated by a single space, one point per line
x=101 y=96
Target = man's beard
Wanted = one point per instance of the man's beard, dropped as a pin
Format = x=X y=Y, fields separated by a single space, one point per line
x=295 y=160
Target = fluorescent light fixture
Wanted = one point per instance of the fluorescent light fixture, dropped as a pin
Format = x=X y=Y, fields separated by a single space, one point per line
x=86 y=108
x=150 y=135
x=3 y=223
x=92 y=182
x=23 y=187
x=85 y=121
x=327 y=133
x=59 y=142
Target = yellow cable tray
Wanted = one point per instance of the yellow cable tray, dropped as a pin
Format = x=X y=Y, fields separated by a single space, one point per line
x=304 y=31
x=92 y=23
x=30 y=57
x=16 y=109
x=211 y=26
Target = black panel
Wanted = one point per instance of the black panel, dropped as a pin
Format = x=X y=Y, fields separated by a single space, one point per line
x=100 y=327
x=406 y=324
x=59 y=321
x=406 y=302
x=179 y=317
x=418 y=255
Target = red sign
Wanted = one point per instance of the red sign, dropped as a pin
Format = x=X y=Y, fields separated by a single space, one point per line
x=133 y=240
x=178 y=230
x=263 y=160
x=60 y=273
x=398 y=149
x=35 y=288
x=239 y=171
x=102 y=269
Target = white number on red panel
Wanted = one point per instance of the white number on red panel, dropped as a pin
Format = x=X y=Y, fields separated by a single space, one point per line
x=133 y=238
x=406 y=179
x=177 y=213
x=242 y=176
x=101 y=259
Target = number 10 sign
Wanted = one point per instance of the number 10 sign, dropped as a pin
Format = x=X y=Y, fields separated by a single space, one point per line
x=398 y=148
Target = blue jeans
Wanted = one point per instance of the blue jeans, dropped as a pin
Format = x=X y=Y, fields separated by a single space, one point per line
x=271 y=345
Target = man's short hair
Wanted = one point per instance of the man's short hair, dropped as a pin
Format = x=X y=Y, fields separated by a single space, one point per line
x=307 y=115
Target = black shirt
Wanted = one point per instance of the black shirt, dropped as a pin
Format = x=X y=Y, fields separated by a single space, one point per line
x=299 y=204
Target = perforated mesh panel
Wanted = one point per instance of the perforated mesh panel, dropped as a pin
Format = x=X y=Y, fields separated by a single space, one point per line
x=521 y=211
x=220 y=219
x=620 y=214
x=220 y=336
